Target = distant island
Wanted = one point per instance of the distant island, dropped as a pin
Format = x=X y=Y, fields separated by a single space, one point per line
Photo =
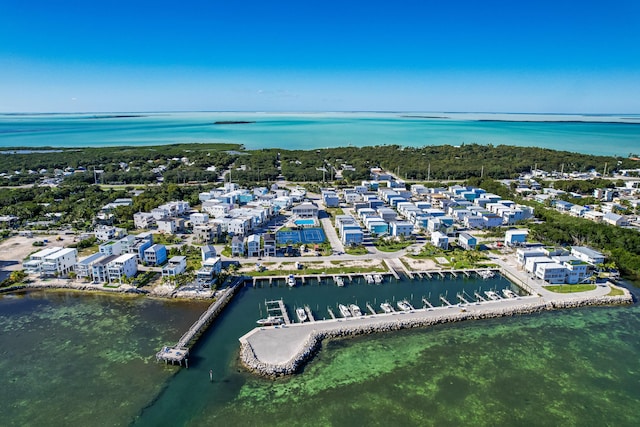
x=232 y=122
x=424 y=117
x=117 y=116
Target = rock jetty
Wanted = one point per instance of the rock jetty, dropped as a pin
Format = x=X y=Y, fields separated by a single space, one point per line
x=253 y=348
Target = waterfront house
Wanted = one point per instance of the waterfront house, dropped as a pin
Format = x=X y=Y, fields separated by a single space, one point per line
x=522 y=254
x=83 y=267
x=206 y=275
x=551 y=272
x=176 y=265
x=34 y=264
x=352 y=237
x=122 y=266
x=59 y=263
x=99 y=273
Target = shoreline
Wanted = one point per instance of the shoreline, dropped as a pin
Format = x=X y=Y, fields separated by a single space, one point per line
x=296 y=344
x=121 y=290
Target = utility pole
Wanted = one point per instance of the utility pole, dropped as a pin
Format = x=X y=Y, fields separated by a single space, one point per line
x=482 y=172
x=429 y=172
x=605 y=169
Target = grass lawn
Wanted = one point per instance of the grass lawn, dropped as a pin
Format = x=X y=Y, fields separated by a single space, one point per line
x=568 y=289
x=392 y=246
x=358 y=250
x=615 y=292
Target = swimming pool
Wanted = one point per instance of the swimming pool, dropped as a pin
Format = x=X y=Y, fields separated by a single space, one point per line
x=305 y=222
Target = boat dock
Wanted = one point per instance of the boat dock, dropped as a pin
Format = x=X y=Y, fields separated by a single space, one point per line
x=444 y=300
x=426 y=302
x=309 y=313
x=479 y=297
x=179 y=352
x=462 y=299
x=371 y=310
x=333 y=316
x=280 y=310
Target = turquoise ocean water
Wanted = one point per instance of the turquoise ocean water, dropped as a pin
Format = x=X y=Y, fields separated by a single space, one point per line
x=605 y=135
x=73 y=359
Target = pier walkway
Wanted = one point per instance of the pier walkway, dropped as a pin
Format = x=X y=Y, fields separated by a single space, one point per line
x=179 y=352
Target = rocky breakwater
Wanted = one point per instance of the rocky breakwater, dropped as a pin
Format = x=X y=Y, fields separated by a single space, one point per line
x=392 y=322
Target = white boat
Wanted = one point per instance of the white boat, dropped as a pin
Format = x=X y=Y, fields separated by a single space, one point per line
x=302 y=315
x=355 y=310
x=486 y=274
x=404 y=305
x=344 y=310
x=368 y=278
x=270 y=321
x=386 y=307
x=377 y=278
x=291 y=280
x=339 y=281
x=492 y=295
x=508 y=293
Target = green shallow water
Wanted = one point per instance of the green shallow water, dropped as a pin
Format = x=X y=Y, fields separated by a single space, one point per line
x=576 y=367
x=71 y=359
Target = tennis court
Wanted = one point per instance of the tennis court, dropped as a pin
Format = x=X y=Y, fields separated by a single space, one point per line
x=307 y=235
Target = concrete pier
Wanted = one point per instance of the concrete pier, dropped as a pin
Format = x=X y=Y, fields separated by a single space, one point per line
x=274 y=352
x=179 y=352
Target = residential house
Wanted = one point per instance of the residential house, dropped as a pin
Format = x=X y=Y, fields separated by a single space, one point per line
x=176 y=265
x=440 y=240
x=515 y=237
x=237 y=246
x=155 y=255
x=34 y=264
x=59 y=263
x=551 y=272
x=123 y=266
x=400 y=228
x=253 y=245
x=587 y=255
x=467 y=241
x=207 y=274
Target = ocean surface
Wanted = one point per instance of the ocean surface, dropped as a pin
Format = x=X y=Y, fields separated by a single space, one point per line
x=592 y=134
x=75 y=359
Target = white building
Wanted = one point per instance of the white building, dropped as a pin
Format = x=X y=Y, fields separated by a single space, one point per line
x=176 y=265
x=60 y=263
x=440 y=240
x=143 y=219
x=123 y=266
x=84 y=266
x=400 y=228
x=587 y=255
x=552 y=272
x=199 y=218
x=34 y=265
x=211 y=267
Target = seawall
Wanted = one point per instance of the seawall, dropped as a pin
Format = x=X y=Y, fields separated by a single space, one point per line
x=299 y=342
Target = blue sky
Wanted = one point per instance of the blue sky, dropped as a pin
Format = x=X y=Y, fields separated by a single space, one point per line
x=403 y=55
